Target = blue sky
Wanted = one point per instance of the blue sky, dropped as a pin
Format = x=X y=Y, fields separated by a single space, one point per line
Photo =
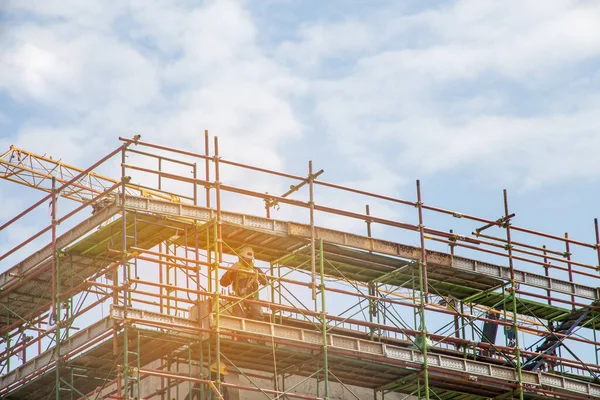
x=476 y=95
x=470 y=96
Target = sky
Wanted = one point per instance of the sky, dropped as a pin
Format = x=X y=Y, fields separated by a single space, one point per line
x=469 y=96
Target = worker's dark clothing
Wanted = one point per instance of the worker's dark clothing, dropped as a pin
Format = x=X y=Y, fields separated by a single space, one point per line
x=245 y=279
x=208 y=393
x=224 y=390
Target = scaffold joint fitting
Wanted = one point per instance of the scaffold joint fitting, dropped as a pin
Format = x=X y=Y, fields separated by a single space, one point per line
x=271 y=203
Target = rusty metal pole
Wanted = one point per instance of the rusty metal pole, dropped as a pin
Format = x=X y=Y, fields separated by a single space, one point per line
x=597 y=244
x=195 y=175
x=311 y=204
x=455 y=302
x=54 y=256
x=218 y=258
x=55 y=279
x=218 y=198
x=267 y=207
x=422 y=239
x=124 y=261
x=569 y=265
x=371 y=285
x=513 y=295
x=549 y=295
x=547 y=273
x=424 y=289
x=207 y=166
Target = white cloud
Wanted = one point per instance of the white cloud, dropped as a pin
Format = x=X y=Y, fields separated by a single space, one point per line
x=319 y=42
x=173 y=69
x=73 y=71
x=398 y=101
x=167 y=70
x=4 y=119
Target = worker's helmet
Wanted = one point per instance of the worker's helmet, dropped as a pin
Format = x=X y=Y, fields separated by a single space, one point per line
x=247 y=253
x=213 y=368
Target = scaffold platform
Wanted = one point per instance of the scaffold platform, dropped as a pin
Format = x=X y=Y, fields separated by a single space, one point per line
x=154 y=256
x=269 y=347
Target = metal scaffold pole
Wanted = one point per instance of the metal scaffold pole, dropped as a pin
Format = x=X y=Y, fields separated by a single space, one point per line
x=125 y=367
x=311 y=204
x=333 y=347
x=513 y=295
x=207 y=166
x=373 y=292
x=424 y=334
x=423 y=289
x=55 y=314
x=218 y=257
x=324 y=320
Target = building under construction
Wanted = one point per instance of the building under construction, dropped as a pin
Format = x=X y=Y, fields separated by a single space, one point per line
x=118 y=295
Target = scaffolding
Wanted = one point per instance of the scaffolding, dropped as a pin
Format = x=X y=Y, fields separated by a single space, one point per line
x=97 y=305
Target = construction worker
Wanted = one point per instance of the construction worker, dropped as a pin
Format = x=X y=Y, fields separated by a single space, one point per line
x=209 y=394
x=213 y=377
x=245 y=279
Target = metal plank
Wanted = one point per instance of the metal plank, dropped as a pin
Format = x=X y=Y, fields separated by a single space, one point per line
x=192 y=212
x=28 y=264
x=303 y=231
x=370 y=348
x=439 y=259
x=48 y=358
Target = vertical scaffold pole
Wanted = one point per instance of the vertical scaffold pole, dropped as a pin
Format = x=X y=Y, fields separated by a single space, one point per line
x=547 y=274
x=453 y=303
x=311 y=204
x=372 y=293
x=423 y=289
x=204 y=388
x=207 y=167
x=218 y=256
x=125 y=277
x=55 y=286
x=548 y=294
x=513 y=295
x=597 y=244
x=422 y=239
x=323 y=320
x=424 y=329
x=139 y=366
x=569 y=266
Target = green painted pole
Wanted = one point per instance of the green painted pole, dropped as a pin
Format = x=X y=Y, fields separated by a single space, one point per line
x=217 y=310
x=324 y=320
x=424 y=329
x=515 y=326
x=57 y=327
x=190 y=369
x=595 y=340
x=125 y=279
x=139 y=366
x=462 y=322
x=201 y=368
x=56 y=291
x=7 y=338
